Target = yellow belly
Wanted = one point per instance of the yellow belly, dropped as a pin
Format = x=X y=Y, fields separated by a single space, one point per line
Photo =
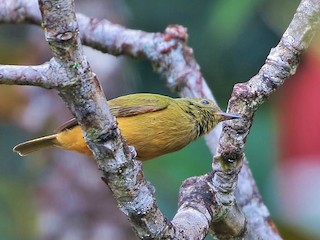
x=152 y=134
x=72 y=139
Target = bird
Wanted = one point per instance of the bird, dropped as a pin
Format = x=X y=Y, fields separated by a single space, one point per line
x=153 y=124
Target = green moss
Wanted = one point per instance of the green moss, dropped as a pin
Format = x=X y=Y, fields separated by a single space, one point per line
x=75 y=65
x=92 y=133
x=73 y=80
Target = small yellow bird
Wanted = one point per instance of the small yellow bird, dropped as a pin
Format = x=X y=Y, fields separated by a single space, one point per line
x=152 y=123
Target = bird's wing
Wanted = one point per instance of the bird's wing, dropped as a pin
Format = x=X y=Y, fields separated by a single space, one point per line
x=134 y=104
x=129 y=105
x=67 y=125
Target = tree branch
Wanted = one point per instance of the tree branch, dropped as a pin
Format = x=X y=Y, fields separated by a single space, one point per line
x=28 y=75
x=246 y=97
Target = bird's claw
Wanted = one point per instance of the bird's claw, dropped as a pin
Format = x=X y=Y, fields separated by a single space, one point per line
x=132 y=151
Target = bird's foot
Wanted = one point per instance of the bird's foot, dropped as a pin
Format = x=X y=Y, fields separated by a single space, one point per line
x=132 y=151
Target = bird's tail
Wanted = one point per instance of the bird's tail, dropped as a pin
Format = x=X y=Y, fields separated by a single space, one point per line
x=36 y=144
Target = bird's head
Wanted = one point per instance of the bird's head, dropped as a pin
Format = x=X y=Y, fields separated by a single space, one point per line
x=210 y=107
x=205 y=114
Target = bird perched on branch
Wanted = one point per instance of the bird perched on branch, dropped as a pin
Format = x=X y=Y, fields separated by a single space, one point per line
x=152 y=123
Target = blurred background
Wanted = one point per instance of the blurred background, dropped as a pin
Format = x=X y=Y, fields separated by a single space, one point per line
x=59 y=195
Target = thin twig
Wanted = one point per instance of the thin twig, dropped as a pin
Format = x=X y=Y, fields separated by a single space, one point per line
x=27 y=75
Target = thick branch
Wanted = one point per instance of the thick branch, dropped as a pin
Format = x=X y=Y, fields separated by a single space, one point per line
x=246 y=98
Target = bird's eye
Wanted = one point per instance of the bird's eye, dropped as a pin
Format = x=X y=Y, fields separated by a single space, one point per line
x=205 y=102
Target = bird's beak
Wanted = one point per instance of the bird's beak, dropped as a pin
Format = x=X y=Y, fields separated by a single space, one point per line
x=227 y=116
